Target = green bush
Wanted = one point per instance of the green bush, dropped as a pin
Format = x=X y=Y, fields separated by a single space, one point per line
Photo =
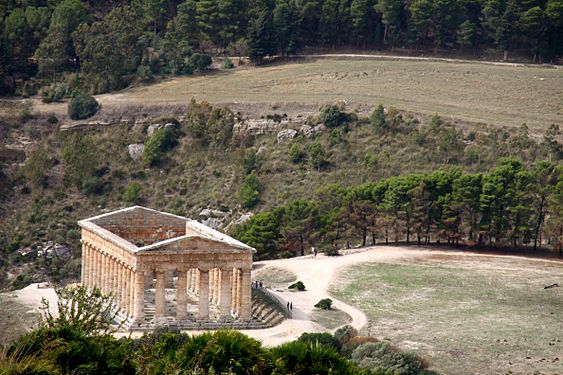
x=82 y=106
x=52 y=119
x=200 y=61
x=332 y=116
x=325 y=339
x=377 y=118
x=318 y=158
x=161 y=141
x=144 y=73
x=324 y=304
x=133 y=193
x=250 y=191
x=250 y=161
x=228 y=64
x=297 y=285
x=55 y=93
x=295 y=154
x=378 y=356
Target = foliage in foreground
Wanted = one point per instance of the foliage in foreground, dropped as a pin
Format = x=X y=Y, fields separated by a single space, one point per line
x=80 y=340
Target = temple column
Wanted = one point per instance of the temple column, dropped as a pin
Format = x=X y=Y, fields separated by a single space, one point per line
x=91 y=267
x=212 y=285
x=225 y=310
x=107 y=274
x=132 y=286
x=97 y=270
x=245 y=312
x=217 y=285
x=84 y=268
x=189 y=277
x=125 y=290
x=239 y=291
x=113 y=277
x=139 y=299
x=181 y=296
x=234 y=290
x=197 y=281
x=119 y=286
x=203 y=301
x=160 y=294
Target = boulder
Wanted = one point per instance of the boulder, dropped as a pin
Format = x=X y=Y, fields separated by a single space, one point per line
x=307 y=131
x=136 y=151
x=319 y=128
x=207 y=212
x=171 y=126
x=152 y=128
x=212 y=223
x=286 y=135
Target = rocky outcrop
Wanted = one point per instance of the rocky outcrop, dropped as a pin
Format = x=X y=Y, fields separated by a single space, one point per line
x=286 y=135
x=136 y=151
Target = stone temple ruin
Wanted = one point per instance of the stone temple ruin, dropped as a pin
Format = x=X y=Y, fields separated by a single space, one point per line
x=167 y=269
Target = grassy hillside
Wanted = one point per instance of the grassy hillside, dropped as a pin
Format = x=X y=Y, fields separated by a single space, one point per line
x=482 y=93
x=55 y=187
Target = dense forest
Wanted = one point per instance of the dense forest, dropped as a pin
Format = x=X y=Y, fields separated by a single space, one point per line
x=62 y=46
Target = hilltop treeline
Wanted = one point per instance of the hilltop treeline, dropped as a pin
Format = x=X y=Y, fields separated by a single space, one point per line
x=510 y=206
x=109 y=44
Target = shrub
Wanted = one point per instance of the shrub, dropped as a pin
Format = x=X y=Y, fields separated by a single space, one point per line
x=295 y=154
x=200 y=61
x=332 y=252
x=132 y=193
x=144 y=73
x=303 y=358
x=377 y=118
x=325 y=339
x=318 y=159
x=332 y=116
x=228 y=64
x=250 y=161
x=344 y=334
x=52 y=119
x=324 y=304
x=297 y=285
x=82 y=106
x=354 y=342
x=250 y=191
x=55 y=93
x=382 y=356
x=161 y=141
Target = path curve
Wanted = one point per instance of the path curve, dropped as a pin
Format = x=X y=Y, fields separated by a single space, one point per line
x=319 y=273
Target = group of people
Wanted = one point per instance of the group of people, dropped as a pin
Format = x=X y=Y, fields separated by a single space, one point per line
x=289 y=306
x=258 y=284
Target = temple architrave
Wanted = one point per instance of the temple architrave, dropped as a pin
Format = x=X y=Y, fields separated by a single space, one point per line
x=141 y=256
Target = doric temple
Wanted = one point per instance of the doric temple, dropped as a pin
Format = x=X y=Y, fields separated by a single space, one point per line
x=166 y=268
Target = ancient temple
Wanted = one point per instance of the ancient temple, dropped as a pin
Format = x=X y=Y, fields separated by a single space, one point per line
x=136 y=251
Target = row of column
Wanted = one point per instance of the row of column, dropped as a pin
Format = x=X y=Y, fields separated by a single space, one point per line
x=230 y=288
x=111 y=276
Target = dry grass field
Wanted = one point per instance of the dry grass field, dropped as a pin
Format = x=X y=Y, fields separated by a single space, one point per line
x=475 y=92
x=466 y=314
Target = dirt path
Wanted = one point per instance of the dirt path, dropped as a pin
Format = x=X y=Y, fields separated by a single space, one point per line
x=319 y=273
x=422 y=58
